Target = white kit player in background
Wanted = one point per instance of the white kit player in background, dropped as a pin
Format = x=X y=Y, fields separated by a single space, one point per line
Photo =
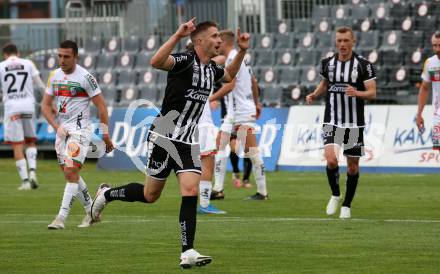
x=73 y=87
x=242 y=110
x=17 y=79
x=431 y=79
x=208 y=148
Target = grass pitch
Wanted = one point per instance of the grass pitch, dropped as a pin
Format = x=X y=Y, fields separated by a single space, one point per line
x=395 y=227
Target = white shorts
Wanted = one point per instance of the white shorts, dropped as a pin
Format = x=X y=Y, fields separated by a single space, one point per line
x=231 y=124
x=72 y=150
x=207 y=139
x=20 y=128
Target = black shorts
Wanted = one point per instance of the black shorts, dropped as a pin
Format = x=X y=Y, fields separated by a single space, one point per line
x=350 y=139
x=164 y=155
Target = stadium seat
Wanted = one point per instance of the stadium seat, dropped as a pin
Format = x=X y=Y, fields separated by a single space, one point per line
x=368 y=40
x=88 y=61
x=391 y=40
x=150 y=43
x=400 y=10
x=342 y=22
x=50 y=62
x=129 y=93
x=107 y=78
x=360 y=12
x=385 y=24
x=325 y=40
x=321 y=11
x=412 y=39
x=272 y=96
x=249 y=58
x=131 y=44
x=93 y=45
x=426 y=24
x=285 y=41
x=264 y=41
x=323 y=25
x=302 y=25
x=268 y=76
x=310 y=76
x=380 y=11
x=105 y=62
x=265 y=57
x=390 y=57
x=147 y=77
x=399 y=78
x=415 y=58
x=113 y=45
x=143 y=60
x=161 y=77
x=285 y=57
x=341 y=11
x=125 y=61
x=127 y=77
x=285 y=26
x=306 y=41
x=308 y=57
x=372 y=56
x=290 y=76
x=111 y=95
x=149 y=92
x=406 y=23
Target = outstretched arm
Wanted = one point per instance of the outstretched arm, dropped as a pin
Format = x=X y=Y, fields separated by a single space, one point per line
x=232 y=69
x=162 y=59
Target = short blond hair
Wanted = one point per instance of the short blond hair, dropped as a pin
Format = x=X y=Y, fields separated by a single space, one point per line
x=345 y=29
x=227 y=35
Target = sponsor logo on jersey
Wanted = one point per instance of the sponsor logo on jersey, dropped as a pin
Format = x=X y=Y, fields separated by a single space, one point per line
x=14 y=66
x=338 y=88
x=200 y=95
x=92 y=81
x=370 y=70
x=435 y=74
x=181 y=58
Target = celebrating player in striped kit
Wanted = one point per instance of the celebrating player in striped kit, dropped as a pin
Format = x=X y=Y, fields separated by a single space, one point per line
x=348 y=80
x=17 y=79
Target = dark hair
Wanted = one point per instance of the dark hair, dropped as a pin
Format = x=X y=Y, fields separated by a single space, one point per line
x=68 y=44
x=10 y=49
x=436 y=35
x=190 y=46
x=202 y=26
x=345 y=29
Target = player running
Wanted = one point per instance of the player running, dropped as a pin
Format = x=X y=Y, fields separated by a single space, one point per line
x=242 y=109
x=17 y=79
x=73 y=87
x=431 y=79
x=171 y=144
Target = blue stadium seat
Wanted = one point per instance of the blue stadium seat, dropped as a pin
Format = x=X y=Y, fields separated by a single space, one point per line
x=131 y=44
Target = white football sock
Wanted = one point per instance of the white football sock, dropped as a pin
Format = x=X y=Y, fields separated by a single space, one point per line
x=220 y=171
x=31 y=156
x=259 y=174
x=22 y=169
x=70 y=192
x=205 y=189
x=83 y=195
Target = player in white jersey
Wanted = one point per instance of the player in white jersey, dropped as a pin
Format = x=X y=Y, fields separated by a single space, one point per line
x=17 y=79
x=242 y=110
x=208 y=148
x=73 y=87
x=431 y=79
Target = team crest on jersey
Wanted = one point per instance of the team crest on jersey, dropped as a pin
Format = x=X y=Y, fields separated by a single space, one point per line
x=73 y=91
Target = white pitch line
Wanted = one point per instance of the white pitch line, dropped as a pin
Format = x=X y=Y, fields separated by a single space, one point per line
x=141 y=219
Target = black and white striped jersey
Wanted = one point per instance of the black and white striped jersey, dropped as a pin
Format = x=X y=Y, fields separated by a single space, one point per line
x=341 y=110
x=189 y=85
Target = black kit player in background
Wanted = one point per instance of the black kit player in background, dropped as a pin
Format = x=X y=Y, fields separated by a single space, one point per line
x=348 y=80
x=191 y=76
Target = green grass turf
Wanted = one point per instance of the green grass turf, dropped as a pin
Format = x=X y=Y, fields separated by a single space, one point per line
x=289 y=233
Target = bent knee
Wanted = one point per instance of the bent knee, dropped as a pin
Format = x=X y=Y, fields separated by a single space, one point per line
x=71 y=174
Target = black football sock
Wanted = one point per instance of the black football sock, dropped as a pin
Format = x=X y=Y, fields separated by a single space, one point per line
x=333 y=180
x=187 y=220
x=352 y=181
x=247 y=169
x=234 y=162
x=131 y=192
